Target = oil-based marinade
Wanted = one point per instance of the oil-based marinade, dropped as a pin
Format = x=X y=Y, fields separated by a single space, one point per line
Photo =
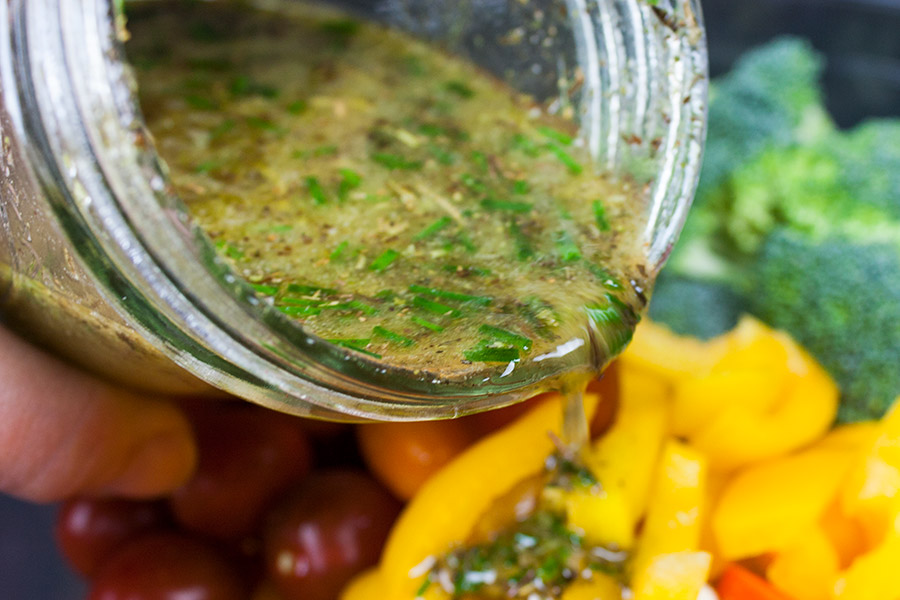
x=390 y=198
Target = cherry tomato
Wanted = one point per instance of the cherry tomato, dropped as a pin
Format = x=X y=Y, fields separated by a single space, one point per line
x=88 y=530
x=490 y=421
x=167 y=566
x=607 y=387
x=326 y=530
x=247 y=455
x=404 y=455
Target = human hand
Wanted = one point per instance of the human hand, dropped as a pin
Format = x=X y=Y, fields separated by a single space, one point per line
x=62 y=432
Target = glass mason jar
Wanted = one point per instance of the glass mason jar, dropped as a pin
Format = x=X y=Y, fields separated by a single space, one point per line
x=100 y=262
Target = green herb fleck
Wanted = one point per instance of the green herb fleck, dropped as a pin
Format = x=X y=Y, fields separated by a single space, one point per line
x=566 y=247
x=201 y=102
x=472 y=183
x=396 y=162
x=316 y=191
x=556 y=136
x=524 y=250
x=600 y=215
x=309 y=290
x=392 y=336
x=266 y=290
x=520 y=186
x=435 y=307
x=426 y=324
x=460 y=89
x=432 y=229
x=339 y=251
x=297 y=107
x=299 y=311
x=513 y=339
x=243 y=85
x=354 y=344
x=350 y=180
x=489 y=354
x=384 y=261
x=442 y=156
x=506 y=205
x=481 y=160
x=447 y=295
x=565 y=158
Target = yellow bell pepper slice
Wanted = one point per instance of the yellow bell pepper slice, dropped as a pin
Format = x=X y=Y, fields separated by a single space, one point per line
x=873 y=576
x=806 y=570
x=624 y=459
x=674 y=514
x=601 y=587
x=768 y=506
x=446 y=509
x=872 y=491
x=742 y=434
x=602 y=517
x=674 y=576
x=655 y=350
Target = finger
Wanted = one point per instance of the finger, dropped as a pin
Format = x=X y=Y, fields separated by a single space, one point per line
x=63 y=432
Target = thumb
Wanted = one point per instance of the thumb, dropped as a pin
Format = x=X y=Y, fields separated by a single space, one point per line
x=63 y=432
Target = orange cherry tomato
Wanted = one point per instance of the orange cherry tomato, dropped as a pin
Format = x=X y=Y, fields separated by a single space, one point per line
x=738 y=583
x=404 y=455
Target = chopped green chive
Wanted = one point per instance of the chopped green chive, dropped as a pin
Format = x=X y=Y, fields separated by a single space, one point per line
x=431 y=130
x=472 y=183
x=556 y=136
x=565 y=158
x=384 y=261
x=242 y=85
x=435 y=307
x=465 y=270
x=354 y=305
x=316 y=191
x=230 y=250
x=506 y=205
x=262 y=124
x=309 y=290
x=339 y=251
x=297 y=107
x=442 y=156
x=354 y=344
x=466 y=242
x=426 y=324
x=567 y=248
x=513 y=339
x=208 y=166
x=396 y=162
x=432 y=229
x=524 y=251
x=266 y=290
x=521 y=186
x=487 y=354
x=350 y=180
x=340 y=27
x=392 y=336
x=201 y=102
x=600 y=215
x=480 y=159
x=299 y=311
x=222 y=128
x=526 y=145
x=460 y=89
x=446 y=295
x=290 y=301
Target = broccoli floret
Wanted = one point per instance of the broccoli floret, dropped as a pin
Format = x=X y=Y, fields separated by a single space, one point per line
x=802 y=221
x=841 y=300
x=695 y=307
x=771 y=97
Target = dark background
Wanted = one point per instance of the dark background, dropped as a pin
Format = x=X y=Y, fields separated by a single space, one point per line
x=861 y=40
